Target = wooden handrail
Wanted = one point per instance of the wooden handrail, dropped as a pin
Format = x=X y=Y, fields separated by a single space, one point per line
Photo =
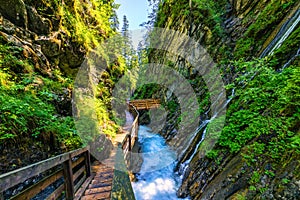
x=141 y=104
x=131 y=137
x=66 y=164
x=64 y=161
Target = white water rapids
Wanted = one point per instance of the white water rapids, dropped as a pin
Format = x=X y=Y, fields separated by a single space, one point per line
x=156 y=180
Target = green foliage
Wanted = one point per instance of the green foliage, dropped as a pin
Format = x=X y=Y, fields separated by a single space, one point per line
x=252 y=188
x=287 y=49
x=88 y=23
x=285 y=181
x=240 y=197
x=269 y=173
x=266 y=106
x=25 y=115
x=26 y=98
x=259 y=30
x=212 y=154
x=255 y=177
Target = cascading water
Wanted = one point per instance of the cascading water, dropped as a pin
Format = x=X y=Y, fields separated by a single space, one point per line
x=284 y=32
x=291 y=60
x=156 y=179
x=183 y=166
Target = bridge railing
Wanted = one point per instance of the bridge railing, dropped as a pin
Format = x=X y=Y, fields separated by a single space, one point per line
x=132 y=136
x=141 y=104
x=72 y=171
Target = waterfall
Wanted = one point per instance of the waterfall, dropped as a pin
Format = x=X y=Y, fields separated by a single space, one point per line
x=291 y=60
x=183 y=166
x=284 y=32
x=156 y=179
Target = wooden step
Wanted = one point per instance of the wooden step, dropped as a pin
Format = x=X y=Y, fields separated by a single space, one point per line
x=98 y=190
x=100 y=181
x=98 y=196
x=98 y=184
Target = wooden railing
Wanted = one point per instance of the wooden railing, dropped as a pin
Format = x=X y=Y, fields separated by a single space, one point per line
x=73 y=168
x=141 y=104
x=131 y=137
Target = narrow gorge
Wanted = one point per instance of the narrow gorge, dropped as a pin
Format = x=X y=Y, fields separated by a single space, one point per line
x=225 y=72
x=255 y=44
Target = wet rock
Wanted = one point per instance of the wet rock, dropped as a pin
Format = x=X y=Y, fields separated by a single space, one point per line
x=15 y=11
x=36 y=23
x=50 y=46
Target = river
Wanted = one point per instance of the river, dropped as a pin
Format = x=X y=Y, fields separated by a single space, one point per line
x=156 y=179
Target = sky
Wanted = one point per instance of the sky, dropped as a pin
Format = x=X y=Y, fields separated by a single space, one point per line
x=136 y=12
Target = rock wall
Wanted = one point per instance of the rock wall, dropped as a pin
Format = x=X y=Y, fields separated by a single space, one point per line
x=48 y=41
x=234 y=30
x=37 y=27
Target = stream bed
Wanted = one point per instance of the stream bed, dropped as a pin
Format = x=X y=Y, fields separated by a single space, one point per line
x=156 y=179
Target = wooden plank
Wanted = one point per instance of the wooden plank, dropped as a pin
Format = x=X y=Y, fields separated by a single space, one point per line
x=15 y=177
x=38 y=187
x=80 y=182
x=98 y=196
x=125 y=141
x=129 y=142
x=77 y=162
x=101 y=169
x=87 y=159
x=104 y=184
x=57 y=193
x=83 y=187
x=78 y=173
x=104 y=175
x=68 y=175
x=97 y=181
x=98 y=190
x=78 y=152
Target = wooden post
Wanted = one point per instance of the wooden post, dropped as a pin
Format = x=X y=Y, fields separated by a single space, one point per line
x=68 y=176
x=87 y=163
x=1 y=196
x=129 y=141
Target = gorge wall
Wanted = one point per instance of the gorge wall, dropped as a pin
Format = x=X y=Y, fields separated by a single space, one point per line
x=42 y=45
x=257 y=152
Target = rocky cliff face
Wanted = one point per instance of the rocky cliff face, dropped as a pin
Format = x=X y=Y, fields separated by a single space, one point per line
x=42 y=45
x=235 y=34
x=36 y=27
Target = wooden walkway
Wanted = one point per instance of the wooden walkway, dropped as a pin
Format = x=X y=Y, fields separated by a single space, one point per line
x=81 y=178
x=142 y=104
x=100 y=188
x=101 y=185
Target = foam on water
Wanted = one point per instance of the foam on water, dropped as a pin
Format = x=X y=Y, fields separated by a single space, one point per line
x=156 y=179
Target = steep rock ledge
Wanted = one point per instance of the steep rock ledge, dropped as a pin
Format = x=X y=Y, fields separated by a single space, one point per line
x=234 y=33
x=42 y=48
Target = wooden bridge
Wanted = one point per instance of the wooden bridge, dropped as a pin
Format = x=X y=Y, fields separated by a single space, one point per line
x=73 y=176
x=141 y=104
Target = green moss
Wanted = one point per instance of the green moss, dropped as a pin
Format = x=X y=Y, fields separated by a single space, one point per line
x=261 y=27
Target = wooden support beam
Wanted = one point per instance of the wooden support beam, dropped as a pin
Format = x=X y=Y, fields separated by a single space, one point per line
x=129 y=142
x=38 y=187
x=80 y=182
x=15 y=177
x=77 y=162
x=78 y=173
x=68 y=175
x=83 y=188
x=57 y=193
x=87 y=157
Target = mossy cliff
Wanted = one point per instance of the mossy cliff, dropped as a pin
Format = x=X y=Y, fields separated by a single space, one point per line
x=257 y=152
x=42 y=45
